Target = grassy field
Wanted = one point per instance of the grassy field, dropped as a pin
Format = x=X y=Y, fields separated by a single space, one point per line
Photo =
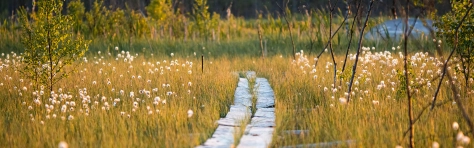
x=377 y=115
x=153 y=91
x=117 y=101
x=126 y=99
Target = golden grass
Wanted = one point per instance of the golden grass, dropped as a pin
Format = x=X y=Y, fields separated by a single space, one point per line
x=375 y=117
x=93 y=124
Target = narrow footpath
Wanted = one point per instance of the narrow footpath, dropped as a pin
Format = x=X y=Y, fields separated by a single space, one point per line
x=259 y=129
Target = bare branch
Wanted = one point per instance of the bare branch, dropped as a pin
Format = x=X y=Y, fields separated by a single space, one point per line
x=350 y=37
x=354 y=68
x=289 y=29
x=331 y=37
x=421 y=113
x=331 y=8
x=460 y=105
x=260 y=39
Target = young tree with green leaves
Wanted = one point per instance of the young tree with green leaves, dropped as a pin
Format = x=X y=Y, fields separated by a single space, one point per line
x=160 y=10
x=202 y=17
x=465 y=36
x=76 y=10
x=50 y=46
x=96 y=19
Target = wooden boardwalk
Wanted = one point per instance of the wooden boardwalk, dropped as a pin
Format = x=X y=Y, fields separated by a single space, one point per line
x=259 y=132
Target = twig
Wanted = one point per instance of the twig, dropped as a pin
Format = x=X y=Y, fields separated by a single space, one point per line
x=202 y=63
x=330 y=41
x=460 y=105
x=261 y=42
x=289 y=29
x=354 y=68
x=420 y=114
x=350 y=37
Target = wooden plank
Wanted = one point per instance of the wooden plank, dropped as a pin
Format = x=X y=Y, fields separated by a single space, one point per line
x=265 y=95
x=323 y=144
x=259 y=132
x=239 y=113
x=222 y=137
x=257 y=137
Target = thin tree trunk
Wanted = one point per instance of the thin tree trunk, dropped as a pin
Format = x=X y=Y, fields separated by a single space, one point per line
x=394 y=9
x=261 y=42
x=407 y=82
x=350 y=38
x=289 y=29
x=354 y=68
x=330 y=42
x=50 y=56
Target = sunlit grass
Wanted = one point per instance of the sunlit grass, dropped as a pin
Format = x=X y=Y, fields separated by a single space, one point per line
x=117 y=101
x=105 y=114
x=376 y=115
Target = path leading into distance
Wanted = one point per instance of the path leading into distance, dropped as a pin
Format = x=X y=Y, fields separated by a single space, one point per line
x=258 y=133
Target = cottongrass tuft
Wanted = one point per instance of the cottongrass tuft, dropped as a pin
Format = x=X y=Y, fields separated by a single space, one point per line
x=459 y=136
x=455 y=126
x=63 y=144
x=465 y=140
x=435 y=145
x=70 y=117
x=190 y=113
x=375 y=102
x=343 y=100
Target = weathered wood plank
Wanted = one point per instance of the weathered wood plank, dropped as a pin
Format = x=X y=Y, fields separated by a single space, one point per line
x=265 y=95
x=259 y=132
x=257 y=137
x=222 y=137
x=239 y=113
x=323 y=144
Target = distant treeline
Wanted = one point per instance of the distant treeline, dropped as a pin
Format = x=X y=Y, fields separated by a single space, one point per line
x=239 y=8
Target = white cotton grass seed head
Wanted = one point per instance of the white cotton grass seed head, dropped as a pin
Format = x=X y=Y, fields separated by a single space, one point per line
x=190 y=113
x=466 y=140
x=435 y=145
x=375 y=102
x=455 y=126
x=459 y=136
x=157 y=99
x=63 y=144
x=343 y=100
